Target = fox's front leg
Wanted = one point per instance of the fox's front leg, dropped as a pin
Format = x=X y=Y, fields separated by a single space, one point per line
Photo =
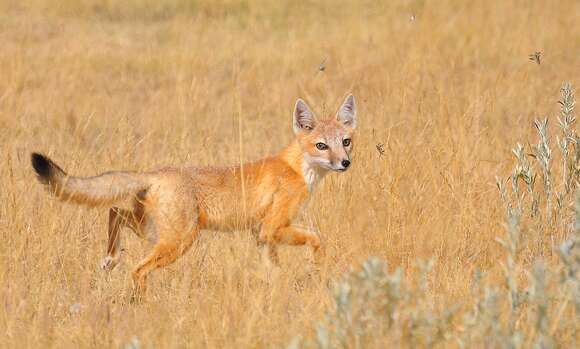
x=289 y=235
x=265 y=241
x=118 y=219
x=277 y=225
x=292 y=235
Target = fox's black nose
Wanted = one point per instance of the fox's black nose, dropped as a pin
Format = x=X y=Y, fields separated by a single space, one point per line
x=345 y=163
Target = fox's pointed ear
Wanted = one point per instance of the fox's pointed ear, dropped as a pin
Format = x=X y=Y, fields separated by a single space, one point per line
x=303 y=118
x=347 y=112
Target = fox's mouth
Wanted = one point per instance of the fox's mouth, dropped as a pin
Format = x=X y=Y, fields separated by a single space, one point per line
x=338 y=169
x=342 y=166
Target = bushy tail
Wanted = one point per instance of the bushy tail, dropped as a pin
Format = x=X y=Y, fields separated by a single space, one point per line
x=101 y=190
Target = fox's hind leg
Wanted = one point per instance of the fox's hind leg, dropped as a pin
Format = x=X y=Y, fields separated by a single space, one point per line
x=118 y=219
x=172 y=244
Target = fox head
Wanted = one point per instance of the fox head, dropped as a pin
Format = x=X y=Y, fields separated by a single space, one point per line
x=326 y=144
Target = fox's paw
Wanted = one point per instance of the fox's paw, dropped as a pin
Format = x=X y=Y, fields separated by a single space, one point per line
x=109 y=263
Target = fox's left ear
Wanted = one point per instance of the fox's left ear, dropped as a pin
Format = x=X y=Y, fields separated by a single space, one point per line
x=347 y=112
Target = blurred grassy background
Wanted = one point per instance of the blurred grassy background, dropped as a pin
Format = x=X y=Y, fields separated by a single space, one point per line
x=446 y=87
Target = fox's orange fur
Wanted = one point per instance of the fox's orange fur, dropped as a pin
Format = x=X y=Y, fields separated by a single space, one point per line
x=171 y=206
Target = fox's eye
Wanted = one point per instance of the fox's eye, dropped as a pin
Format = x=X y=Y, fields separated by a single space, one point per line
x=321 y=146
x=346 y=142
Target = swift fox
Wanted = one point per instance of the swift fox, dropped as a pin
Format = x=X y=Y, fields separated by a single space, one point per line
x=171 y=206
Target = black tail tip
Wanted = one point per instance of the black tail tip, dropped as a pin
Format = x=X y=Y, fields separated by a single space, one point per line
x=42 y=165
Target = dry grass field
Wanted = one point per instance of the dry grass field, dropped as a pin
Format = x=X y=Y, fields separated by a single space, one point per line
x=445 y=90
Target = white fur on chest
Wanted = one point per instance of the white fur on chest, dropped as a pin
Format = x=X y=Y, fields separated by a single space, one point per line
x=312 y=175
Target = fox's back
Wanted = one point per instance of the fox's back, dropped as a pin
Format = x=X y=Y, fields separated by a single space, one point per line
x=224 y=200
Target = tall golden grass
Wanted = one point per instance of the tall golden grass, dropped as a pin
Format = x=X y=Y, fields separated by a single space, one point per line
x=445 y=90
